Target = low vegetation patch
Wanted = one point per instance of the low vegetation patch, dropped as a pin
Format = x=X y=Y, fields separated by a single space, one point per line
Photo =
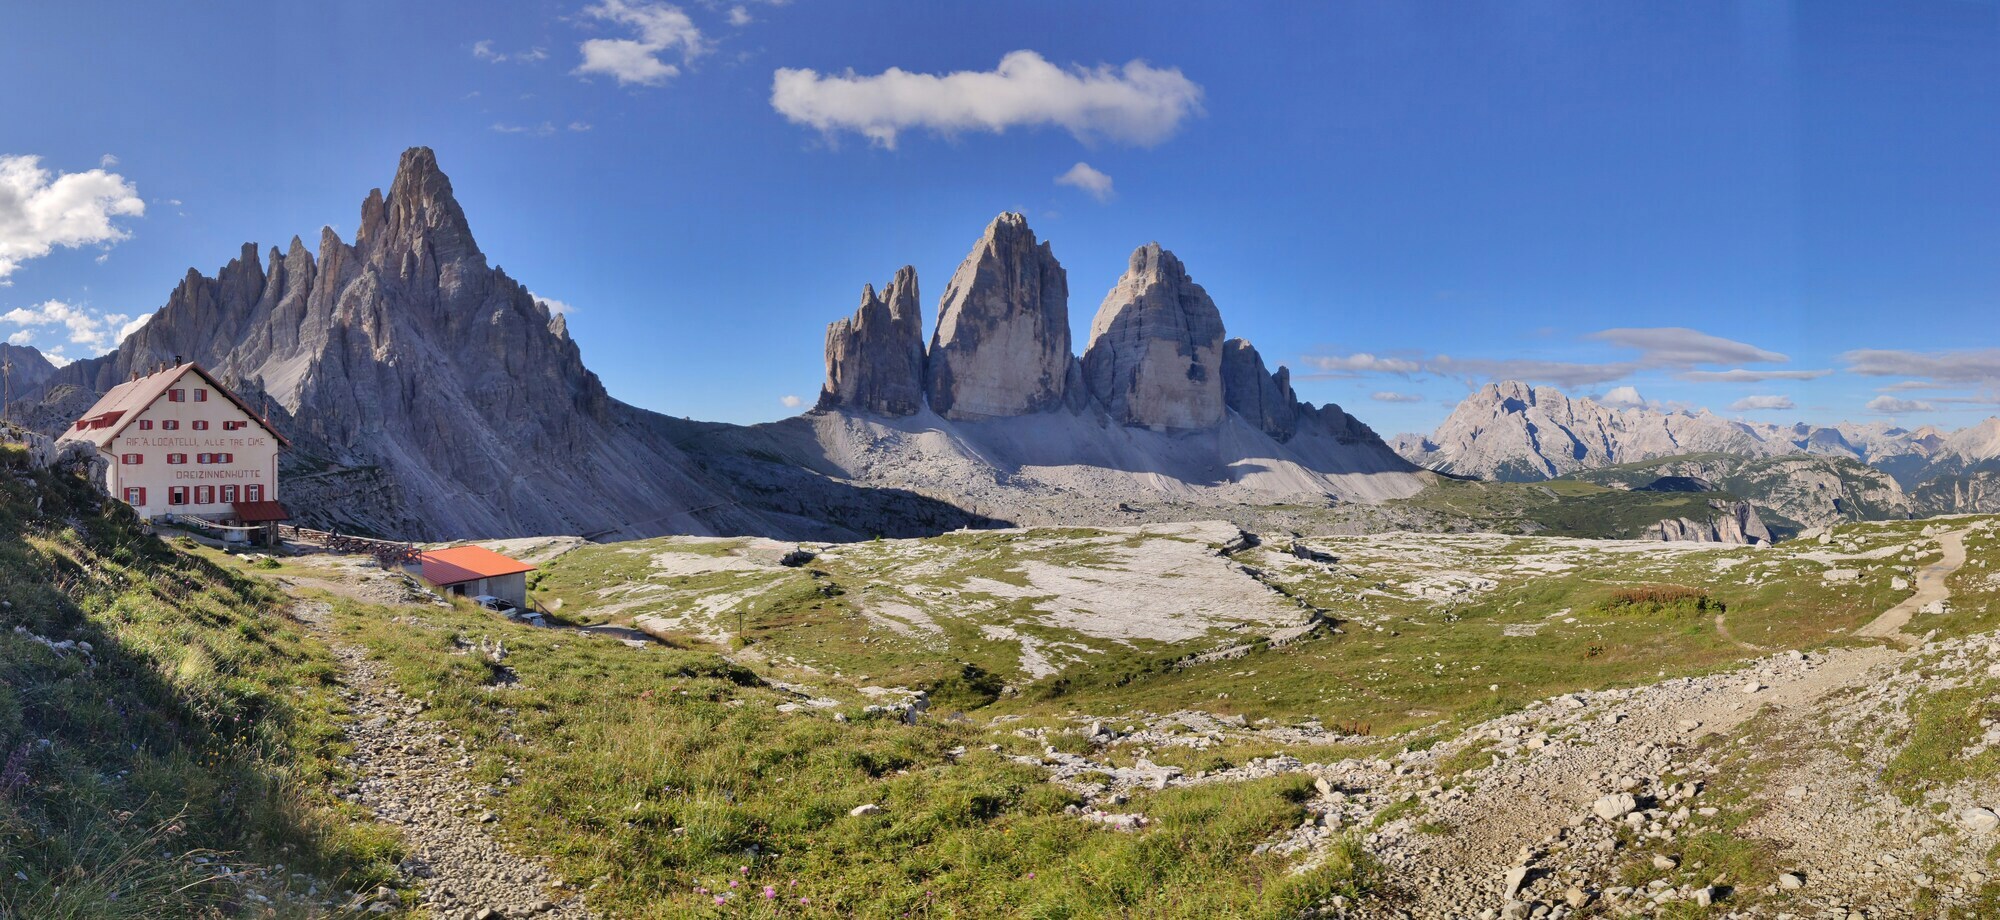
x=154 y=708
x=1662 y=599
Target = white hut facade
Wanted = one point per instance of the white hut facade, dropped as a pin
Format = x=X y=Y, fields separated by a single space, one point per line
x=178 y=442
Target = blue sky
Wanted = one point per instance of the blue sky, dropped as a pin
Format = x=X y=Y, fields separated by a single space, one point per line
x=1397 y=200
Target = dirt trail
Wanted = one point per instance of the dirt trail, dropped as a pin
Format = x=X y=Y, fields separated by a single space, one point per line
x=1930 y=589
x=1643 y=733
x=413 y=775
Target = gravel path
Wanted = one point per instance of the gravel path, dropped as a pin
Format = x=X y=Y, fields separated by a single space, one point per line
x=413 y=775
x=1930 y=589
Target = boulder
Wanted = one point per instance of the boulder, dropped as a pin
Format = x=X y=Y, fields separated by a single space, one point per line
x=875 y=358
x=1002 y=346
x=1155 y=353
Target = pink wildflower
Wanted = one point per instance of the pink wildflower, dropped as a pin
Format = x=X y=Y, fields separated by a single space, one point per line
x=770 y=892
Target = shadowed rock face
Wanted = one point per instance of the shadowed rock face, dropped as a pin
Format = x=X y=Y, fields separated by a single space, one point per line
x=875 y=358
x=29 y=366
x=1155 y=353
x=1263 y=399
x=1002 y=347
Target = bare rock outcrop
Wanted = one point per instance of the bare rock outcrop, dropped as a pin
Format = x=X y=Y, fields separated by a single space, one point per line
x=1155 y=353
x=875 y=358
x=1262 y=398
x=1735 y=522
x=1002 y=345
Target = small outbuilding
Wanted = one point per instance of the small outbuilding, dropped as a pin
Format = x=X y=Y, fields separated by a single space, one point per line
x=475 y=571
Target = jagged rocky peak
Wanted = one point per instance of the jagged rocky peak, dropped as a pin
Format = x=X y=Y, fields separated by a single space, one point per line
x=419 y=221
x=1001 y=347
x=875 y=358
x=1155 y=353
x=28 y=366
x=1262 y=398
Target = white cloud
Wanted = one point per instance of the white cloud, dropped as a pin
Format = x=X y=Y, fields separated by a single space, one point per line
x=57 y=358
x=1136 y=103
x=1762 y=404
x=542 y=130
x=1675 y=346
x=738 y=16
x=137 y=323
x=1390 y=396
x=21 y=337
x=658 y=28
x=1890 y=405
x=1967 y=366
x=1088 y=179
x=483 y=50
x=555 y=307
x=1363 y=363
x=40 y=211
x=108 y=160
x=791 y=402
x=1623 y=398
x=579 y=126
x=94 y=331
x=1740 y=375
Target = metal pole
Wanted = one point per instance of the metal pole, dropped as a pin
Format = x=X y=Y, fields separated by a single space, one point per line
x=6 y=385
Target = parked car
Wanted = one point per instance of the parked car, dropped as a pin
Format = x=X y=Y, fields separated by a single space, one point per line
x=508 y=610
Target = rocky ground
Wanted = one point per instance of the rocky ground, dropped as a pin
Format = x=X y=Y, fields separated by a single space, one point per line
x=413 y=775
x=1750 y=793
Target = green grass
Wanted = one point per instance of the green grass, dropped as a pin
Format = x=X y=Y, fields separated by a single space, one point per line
x=662 y=772
x=201 y=723
x=1943 y=724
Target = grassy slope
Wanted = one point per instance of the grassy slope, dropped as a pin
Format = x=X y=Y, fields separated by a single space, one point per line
x=202 y=723
x=661 y=776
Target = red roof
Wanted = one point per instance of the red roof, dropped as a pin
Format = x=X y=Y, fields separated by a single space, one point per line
x=259 y=512
x=117 y=409
x=461 y=564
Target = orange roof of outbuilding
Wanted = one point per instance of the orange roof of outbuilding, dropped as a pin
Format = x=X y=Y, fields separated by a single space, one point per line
x=461 y=564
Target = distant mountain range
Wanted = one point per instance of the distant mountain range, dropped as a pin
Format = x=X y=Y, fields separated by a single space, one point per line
x=1513 y=432
x=429 y=395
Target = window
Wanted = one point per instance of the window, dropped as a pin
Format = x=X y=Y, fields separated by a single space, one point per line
x=200 y=424
x=229 y=494
x=177 y=395
x=170 y=425
x=231 y=426
x=201 y=396
x=204 y=495
x=253 y=493
x=131 y=459
x=226 y=458
x=135 y=497
x=145 y=424
x=177 y=459
x=177 y=495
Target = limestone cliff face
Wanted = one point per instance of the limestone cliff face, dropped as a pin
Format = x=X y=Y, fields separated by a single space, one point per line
x=1155 y=353
x=427 y=393
x=29 y=366
x=1263 y=399
x=875 y=358
x=1735 y=522
x=1001 y=347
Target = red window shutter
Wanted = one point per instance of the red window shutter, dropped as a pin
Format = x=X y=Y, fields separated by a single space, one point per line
x=142 y=495
x=201 y=396
x=176 y=396
x=145 y=424
x=200 y=425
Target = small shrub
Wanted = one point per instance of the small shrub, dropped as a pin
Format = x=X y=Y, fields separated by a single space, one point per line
x=1657 y=599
